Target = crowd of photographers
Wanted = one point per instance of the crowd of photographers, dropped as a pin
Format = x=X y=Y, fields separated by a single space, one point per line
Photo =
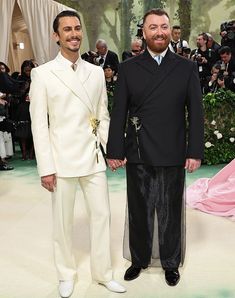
x=216 y=62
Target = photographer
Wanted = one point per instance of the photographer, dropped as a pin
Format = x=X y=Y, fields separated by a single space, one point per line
x=215 y=81
x=227 y=33
x=177 y=44
x=90 y=56
x=103 y=56
x=227 y=67
x=204 y=57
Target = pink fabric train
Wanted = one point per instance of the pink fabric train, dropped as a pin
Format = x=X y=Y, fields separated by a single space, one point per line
x=214 y=195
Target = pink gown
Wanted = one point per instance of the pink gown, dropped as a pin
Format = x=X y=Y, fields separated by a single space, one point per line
x=214 y=195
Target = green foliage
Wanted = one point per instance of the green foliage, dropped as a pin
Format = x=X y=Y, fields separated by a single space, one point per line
x=147 y=5
x=184 y=15
x=219 y=110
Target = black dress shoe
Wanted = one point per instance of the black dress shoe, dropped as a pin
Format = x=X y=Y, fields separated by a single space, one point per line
x=5 y=167
x=172 y=277
x=132 y=272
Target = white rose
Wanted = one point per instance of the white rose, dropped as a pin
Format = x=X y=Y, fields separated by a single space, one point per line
x=232 y=140
x=216 y=132
x=213 y=122
x=232 y=128
x=208 y=144
x=219 y=135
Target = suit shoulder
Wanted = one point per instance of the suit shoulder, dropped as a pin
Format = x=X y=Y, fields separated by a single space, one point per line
x=92 y=67
x=130 y=61
x=111 y=53
x=184 y=60
x=44 y=67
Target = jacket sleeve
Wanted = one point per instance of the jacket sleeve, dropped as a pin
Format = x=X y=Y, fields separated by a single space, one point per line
x=103 y=115
x=195 y=147
x=40 y=125
x=116 y=139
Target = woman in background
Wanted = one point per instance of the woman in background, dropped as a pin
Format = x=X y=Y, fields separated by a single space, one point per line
x=23 y=131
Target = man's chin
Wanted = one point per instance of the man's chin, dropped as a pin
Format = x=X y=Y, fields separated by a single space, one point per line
x=74 y=50
x=158 y=49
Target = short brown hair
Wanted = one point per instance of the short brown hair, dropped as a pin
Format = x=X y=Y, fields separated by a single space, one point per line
x=64 y=13
x=156 y=11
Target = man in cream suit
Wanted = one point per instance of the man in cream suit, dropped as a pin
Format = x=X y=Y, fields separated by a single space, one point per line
x=69 y=123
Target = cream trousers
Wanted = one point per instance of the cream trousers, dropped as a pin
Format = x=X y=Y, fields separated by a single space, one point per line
x=95 y=191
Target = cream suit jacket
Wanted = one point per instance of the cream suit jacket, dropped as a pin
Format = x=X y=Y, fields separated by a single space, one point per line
x=62 y=102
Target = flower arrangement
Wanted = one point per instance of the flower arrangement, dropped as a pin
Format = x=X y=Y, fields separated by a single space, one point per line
x=219 y=110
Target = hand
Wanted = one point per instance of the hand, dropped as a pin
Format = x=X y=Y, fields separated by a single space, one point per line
x=192 y=164
x=3 y=102
x=114 y=164
x=2 y=95
x=214 y=77
x=49 y=182
x=221 y=83
x=204 y=60
x=223 y=33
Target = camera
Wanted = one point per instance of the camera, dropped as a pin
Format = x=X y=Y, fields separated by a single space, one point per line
x=90 y=56
x=220 y=76
x=186 y=50
x=139 y=29
x=229 y=27
x=198 y=57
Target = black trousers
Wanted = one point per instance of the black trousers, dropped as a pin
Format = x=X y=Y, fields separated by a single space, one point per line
x=150 y=191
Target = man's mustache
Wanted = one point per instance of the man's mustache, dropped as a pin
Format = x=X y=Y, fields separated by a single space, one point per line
x=159 y=36
x=73 y=38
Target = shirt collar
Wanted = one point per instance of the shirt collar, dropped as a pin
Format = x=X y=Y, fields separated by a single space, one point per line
x=154 y=54
x=66 y=62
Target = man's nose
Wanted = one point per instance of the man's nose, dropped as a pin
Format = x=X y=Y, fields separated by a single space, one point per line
x=159 y=31
x=74 y=32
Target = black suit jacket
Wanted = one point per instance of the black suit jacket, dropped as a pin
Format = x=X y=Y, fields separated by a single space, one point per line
x=126 y=55
x=159 y=96
x=112 y=60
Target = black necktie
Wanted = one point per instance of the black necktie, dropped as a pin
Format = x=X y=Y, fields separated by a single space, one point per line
x=174 y=45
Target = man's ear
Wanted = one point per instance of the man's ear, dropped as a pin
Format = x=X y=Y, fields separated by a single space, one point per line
x=143 y=33
x=55 y=36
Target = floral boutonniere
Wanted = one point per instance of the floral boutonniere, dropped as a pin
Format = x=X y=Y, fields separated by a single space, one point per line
x=94 y=124
x=136 y=122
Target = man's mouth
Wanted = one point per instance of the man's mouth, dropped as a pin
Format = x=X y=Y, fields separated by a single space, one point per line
x=159 y=38
x=74 y=40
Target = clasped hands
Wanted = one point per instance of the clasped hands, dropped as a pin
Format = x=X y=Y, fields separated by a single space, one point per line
x=114 y=164
x=190 y=165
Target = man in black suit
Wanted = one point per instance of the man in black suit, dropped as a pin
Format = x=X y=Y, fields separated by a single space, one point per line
x=136 y=49
x=105 y=56
x=157 y=146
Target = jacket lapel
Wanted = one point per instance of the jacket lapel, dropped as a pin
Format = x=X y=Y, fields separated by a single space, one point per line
x=158 y=73
x=75 y=81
